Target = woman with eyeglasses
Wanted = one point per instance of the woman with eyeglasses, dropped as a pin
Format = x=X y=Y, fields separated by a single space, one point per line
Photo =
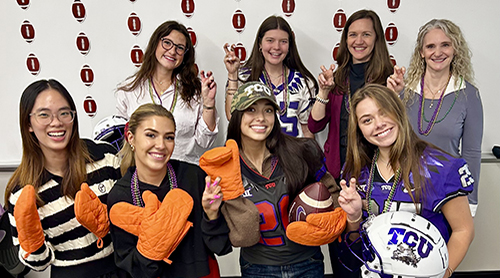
x=43 y=193
x=168 y=76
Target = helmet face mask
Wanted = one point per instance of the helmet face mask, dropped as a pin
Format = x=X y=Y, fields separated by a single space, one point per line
x=400 y=244
x=111 y=130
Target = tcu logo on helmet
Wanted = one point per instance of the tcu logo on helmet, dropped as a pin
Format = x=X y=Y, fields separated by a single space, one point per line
x=24 y=4
x=87 y=75
x=90 y=106
x=28 y=31
x=241 y=52
x=393 y=5
x=391 y=33
x=83 y=43
x=33 y=64
x=335 y=51
x=339 y=19
x=412 y=240
x=78 y=10
x=288 y=7
x=187 y=7
x=134 y=24
x=239 y=21
x=192 y=36
x=136 y=55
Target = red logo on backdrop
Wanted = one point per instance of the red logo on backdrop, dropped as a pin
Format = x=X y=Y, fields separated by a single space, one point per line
x=239 y=21
x=28 y=31
x=90 y=106
x=241 y=52
x=335 y=51
x=78 y=10
x=24 y=4
x=288 y=7
x=393 y=60
x=134 y=24
x=187 y=7
x=136 y=55
x=87 y=75
x=393 y=5
x=83 y=43
x=339 y=19
x=192 y=36
x=391 y=33
x=33 y=64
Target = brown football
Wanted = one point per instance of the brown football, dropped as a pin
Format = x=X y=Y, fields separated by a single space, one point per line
x=314 y=198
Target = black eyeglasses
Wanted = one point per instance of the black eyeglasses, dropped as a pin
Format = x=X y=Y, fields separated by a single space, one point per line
x=168 y=44
x=45 y=118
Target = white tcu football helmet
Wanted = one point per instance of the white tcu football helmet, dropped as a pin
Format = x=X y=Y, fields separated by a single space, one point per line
x=401 y=244
x=111 y=129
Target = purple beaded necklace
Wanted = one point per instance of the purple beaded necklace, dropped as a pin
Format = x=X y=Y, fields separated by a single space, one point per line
x=284 y=80
x=134 y=185
x=432 y=121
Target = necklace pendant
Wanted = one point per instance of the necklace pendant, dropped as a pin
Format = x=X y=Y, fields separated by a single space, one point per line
x=432 y=104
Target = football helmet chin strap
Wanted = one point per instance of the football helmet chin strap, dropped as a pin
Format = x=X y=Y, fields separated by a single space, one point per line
x=399 y=244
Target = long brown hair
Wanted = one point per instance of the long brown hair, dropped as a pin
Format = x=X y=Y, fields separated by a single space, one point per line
x=32 y=167
x=191 y=84
x=140 y=114
x=292 y=60
x=407 y=150
x=380 y=65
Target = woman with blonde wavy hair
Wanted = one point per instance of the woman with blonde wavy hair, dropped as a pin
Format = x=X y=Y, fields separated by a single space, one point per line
x=442 y=101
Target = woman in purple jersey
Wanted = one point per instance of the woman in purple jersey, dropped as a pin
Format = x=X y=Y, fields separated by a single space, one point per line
x=390 y=169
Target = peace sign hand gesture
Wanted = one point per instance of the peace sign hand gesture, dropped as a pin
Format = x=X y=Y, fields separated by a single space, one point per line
x=349 y=199
x=231 y=61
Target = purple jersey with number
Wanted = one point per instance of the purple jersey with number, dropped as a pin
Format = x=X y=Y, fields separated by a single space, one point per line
x=271 y=197
x=447 y=177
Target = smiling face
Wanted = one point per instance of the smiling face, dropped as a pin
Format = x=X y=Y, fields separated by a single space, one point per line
x=257 y=122
x=169 y=59
x=53 y=137
x=437 y=51
x=153 y=141
x=274 y=46
x=377 y=126
x=361 y=40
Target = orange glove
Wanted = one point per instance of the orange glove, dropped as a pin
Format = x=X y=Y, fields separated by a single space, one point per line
x=319 y=228
x=91 y=213
x=224 y=162
x=159 y=226
x=29 y=227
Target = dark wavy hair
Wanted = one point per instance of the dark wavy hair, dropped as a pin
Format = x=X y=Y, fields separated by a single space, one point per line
x=292 y=60
x=191 y=84
x=380 y=65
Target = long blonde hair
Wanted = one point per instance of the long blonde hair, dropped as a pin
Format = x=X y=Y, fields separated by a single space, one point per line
x=461 y=65
x=141 y=114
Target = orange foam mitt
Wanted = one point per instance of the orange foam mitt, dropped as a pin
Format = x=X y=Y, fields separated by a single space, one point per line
x=319 y=228
x=159 y=226
x=224 y=162
x=91 y=213
x=29 y=227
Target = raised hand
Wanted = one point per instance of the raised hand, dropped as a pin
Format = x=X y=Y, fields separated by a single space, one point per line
x=208 y=88
x=349 y=199
x=396 y=81
x=212 y=198
x=325 y=78
x=231 y=61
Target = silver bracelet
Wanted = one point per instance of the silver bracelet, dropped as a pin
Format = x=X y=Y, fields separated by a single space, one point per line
x=320 y=100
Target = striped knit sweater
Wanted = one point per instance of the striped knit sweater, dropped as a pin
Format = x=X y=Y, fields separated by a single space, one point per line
x=69 y=247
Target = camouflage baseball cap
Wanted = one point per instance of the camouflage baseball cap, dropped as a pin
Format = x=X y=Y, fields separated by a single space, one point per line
x=251 y=92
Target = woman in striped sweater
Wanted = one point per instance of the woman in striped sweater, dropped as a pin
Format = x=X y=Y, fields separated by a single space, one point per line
x=54 y=164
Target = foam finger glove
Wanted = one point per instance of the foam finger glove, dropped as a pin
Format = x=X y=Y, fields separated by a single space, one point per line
x=318 y=229
x=224 y=162
x=28 y=225
x=91 y=213
x=129 y=217
x=161 y=232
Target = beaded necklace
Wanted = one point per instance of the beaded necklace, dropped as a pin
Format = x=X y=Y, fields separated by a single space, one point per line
x=152 y=88
x=134 y=185
x=452 y=104
x=390 y=198
x=276 y=91
x=432 y=121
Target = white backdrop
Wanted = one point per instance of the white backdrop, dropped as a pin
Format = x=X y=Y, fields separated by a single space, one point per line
x=105 y=24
